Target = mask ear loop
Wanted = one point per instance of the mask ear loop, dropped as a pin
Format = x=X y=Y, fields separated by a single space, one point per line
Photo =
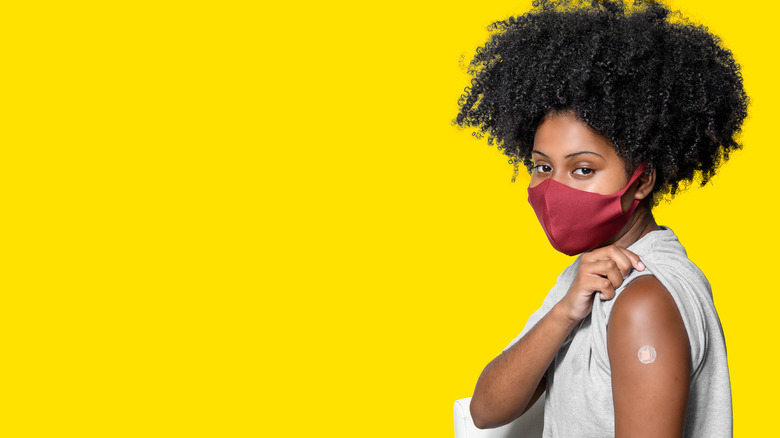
x=650 y=171
x=646 y=170
x=640 y=170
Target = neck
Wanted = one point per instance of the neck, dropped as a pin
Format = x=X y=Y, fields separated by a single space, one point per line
x=640 y=223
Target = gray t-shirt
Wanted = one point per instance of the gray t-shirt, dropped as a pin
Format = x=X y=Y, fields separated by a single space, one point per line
x=579 y=387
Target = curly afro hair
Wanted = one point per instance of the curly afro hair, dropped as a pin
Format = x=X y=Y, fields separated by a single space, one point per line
x=663 y=90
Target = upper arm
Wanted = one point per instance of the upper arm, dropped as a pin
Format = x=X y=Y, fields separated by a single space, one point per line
x=650 y=398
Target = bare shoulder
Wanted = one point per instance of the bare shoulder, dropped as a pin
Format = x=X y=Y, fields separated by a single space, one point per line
x=645 y=314
x=646 y=303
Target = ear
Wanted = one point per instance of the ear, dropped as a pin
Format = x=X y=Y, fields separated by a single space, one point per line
x=645 y=184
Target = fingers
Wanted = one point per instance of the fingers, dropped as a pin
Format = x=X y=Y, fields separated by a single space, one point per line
x=606 y=289
x=635 y=261
x=605 y=269
x=625 y=259
x=602 y=276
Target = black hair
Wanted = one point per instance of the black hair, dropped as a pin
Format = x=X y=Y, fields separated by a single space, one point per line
x=662 y=89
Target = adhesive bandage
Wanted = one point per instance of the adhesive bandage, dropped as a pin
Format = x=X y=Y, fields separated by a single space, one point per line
x=646 y=354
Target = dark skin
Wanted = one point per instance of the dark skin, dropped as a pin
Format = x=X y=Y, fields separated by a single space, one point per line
x=650 y=399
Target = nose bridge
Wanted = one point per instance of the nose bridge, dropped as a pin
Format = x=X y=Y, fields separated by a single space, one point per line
x=559 y=176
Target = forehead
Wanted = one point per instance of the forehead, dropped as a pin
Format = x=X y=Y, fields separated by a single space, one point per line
x=560 y=135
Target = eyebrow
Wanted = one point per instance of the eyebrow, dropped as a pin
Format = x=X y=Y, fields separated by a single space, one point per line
x=570 y=155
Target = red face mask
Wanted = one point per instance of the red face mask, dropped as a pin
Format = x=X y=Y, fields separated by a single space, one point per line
x=576 y=221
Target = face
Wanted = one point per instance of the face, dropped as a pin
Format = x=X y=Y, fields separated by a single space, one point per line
x=568 y=151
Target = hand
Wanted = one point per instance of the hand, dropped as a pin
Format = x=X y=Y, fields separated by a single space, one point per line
x=601 y=271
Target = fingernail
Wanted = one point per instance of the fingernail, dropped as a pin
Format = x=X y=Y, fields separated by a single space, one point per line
x=641 y=266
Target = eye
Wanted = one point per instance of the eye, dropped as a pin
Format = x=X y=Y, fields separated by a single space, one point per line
x=583 y=171
x=542 y=168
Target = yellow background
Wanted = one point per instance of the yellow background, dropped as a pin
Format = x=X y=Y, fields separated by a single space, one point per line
x=248 y=219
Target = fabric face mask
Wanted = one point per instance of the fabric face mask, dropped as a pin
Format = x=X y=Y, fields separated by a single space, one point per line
x=576 y=221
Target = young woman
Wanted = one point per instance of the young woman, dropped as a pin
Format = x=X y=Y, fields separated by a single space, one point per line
x=610 y=106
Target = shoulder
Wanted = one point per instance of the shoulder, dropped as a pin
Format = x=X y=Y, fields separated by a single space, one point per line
x=644 y=301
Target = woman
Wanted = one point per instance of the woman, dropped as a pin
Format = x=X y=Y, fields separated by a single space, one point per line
x=611 y=107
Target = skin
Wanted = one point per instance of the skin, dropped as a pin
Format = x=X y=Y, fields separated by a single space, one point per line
x=649 y=399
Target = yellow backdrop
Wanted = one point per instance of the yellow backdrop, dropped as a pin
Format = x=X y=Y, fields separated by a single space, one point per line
x=245 y=219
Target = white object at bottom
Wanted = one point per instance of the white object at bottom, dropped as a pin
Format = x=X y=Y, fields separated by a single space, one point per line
x=530 y=425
